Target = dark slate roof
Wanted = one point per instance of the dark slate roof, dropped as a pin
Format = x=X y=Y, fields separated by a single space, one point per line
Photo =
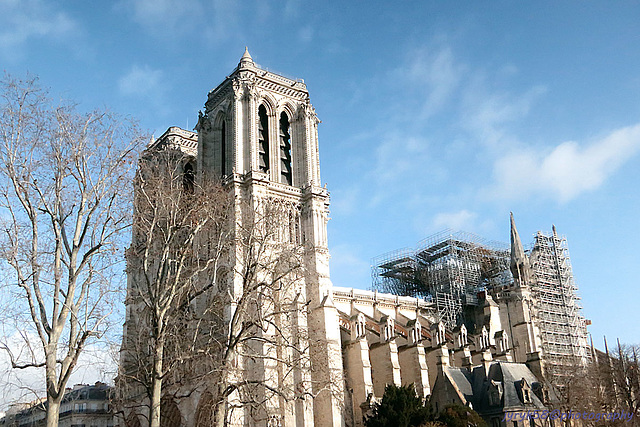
x=513 y=372
x=99 y=391
x=474 y=385
x=463 y=380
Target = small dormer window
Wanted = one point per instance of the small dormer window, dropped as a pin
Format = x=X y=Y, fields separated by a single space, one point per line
x=525 y=391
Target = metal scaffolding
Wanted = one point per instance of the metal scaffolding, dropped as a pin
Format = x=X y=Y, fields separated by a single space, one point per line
x=449 y=268
x=563 y=329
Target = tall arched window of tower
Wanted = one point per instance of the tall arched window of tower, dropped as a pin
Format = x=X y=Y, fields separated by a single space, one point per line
x=223 y=148
x=263 y=140
x=188 y=178
x=286 y=177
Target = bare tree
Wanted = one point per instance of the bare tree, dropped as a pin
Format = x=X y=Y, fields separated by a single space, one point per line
x=65 y=178
x=608 y=383
x=216 y=298
x=266 y=323
x=180 y=234
x=618 y=374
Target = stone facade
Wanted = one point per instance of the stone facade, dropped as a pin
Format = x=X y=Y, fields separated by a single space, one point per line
x=258 y=135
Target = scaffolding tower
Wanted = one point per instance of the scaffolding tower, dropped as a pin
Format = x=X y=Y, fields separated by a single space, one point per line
x=563 y=329
x=449 y=268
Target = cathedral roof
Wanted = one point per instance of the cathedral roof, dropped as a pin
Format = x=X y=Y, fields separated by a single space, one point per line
x=474 y=385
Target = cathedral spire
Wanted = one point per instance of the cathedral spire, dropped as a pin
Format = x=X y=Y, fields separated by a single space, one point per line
x=519 y=260
x=246 y=57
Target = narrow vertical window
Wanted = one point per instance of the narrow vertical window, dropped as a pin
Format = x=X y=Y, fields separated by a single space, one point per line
x=223 y=149
x=263 y=140
x=188 y=178
x=285 y=150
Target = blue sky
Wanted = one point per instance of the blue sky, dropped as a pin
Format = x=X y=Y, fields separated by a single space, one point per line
x=434 y=114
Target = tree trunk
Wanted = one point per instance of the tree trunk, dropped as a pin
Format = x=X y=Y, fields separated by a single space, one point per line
x=220 y=405
x=54 y=394
x=156 y=387
x=53 y=411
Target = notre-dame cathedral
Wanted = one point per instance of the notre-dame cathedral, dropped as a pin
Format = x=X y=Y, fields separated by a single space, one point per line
x=258 y=135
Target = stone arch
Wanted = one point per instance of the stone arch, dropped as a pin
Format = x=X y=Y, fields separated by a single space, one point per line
x=205 y=412
x=269 y=103
x=170 y=415
x=415 y=335
x=288 y=108
x=220 y=115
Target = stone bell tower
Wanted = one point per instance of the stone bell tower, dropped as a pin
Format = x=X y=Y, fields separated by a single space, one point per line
x=258 y=133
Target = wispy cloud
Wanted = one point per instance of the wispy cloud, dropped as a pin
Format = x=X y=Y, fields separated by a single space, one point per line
x=565 y=171
x=397 y=154
x=305 y=34
x=460 y=220
x=214 y=20
x=22 y=21
x=141 y=81
x=433 y=76
x=147 y=85
x=487 y=113
x=163 y=17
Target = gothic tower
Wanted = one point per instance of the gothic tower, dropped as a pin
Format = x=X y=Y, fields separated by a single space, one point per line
x=258 y=134
x=517 y=306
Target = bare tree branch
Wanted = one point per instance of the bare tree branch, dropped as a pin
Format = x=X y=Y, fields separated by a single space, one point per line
x=67 y=177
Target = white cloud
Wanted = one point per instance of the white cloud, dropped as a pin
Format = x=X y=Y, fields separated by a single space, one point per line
x=163 y=16
x=486 y=113
x=214 y=20
x=565 y=171
x=460 y=220
x=433 y=75
x=24 y=20
x=141 y=81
